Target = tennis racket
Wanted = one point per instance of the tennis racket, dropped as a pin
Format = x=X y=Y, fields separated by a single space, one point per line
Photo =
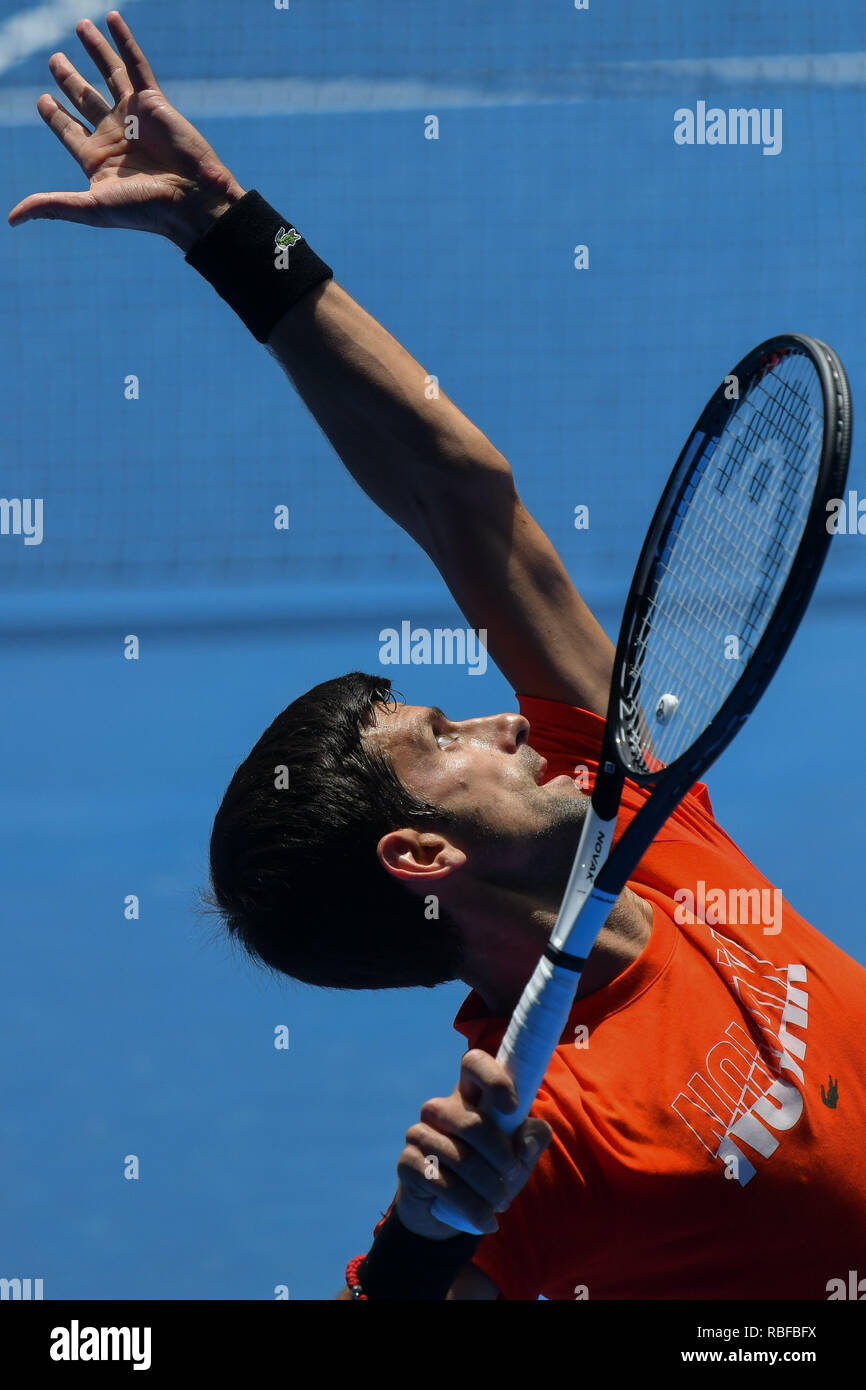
x=725 y=575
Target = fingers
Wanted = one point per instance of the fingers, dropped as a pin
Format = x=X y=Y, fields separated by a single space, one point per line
x=433 y=1166
x=437 y=1163
x=459 y=1153
x=483 y=1078
x=71 y=133
x=105 y=58
x=450 y=1115
x=137 y=66
x=505 y=1154
x=79 y=93
x=63 y=207
x=417 y=1189
x=441 y=1150
x=530 y=1141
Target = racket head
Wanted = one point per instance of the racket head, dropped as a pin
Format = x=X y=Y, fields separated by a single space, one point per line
x=730 y=561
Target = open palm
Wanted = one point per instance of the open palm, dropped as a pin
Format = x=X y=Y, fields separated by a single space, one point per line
x=148 y=168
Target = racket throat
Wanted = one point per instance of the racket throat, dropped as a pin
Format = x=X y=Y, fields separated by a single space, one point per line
x=595 y=844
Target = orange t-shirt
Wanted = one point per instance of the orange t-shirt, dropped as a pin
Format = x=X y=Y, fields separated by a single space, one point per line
x=709 y=1105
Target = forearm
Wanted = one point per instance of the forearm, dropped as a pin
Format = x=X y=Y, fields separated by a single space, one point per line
x=401 y=438
x=412 y=451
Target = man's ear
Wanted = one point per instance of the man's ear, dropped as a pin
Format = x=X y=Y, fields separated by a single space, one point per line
x=414 y=856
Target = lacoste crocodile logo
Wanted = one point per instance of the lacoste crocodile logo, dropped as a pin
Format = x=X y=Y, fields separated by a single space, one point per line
x=287 y=237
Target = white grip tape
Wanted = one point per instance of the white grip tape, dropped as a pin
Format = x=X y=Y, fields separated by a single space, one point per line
x=534 y=1031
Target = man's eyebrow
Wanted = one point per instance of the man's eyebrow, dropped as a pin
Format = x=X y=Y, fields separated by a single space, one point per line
x=438 y=713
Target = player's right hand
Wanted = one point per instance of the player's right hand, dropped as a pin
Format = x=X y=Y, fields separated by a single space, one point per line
x=149 y=169
x=457 y=1151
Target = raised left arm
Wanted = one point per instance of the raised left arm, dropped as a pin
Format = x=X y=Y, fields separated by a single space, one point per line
x=438 y=476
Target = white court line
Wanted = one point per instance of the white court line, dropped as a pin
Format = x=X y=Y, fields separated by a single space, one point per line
x=294 y=96
x=30 y=31
x=251 y=96
x=778 y=69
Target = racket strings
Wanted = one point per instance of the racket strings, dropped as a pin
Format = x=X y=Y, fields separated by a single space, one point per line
x=738 y=450
x=728 y=550
x=766 y=420
x=714 y=552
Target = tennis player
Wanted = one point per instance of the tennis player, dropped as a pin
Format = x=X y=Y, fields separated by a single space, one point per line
x=663 y=1159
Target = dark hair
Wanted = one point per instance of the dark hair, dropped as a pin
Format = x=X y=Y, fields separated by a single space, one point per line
x=294 y=870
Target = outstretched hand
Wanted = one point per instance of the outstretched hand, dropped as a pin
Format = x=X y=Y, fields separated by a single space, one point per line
x=148 y=168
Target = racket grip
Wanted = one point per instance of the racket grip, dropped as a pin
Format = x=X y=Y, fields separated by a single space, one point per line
x=533 y=1033
x=535 y=1029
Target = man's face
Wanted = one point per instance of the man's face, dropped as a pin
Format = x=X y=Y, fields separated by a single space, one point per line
x=486 y=772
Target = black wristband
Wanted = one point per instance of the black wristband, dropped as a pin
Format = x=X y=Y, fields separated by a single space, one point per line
x=257 y=262
x=401 y=1265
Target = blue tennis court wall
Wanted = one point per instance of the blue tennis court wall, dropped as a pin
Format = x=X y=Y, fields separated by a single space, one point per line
x=262 y=1168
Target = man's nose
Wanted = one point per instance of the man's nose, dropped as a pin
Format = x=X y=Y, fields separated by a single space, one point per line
x=508 y=731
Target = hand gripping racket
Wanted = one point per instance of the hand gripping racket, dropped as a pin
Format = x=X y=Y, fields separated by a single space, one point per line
x=725 y=575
